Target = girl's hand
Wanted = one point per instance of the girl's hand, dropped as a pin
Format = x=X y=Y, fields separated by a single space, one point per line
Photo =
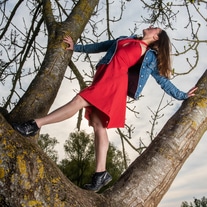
x=191 y=91
x=69 y=41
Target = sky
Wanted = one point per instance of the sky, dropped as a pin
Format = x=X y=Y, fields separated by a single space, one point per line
x=190 y=181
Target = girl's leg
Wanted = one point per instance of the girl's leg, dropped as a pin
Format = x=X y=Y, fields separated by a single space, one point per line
x=64 y=112
x=101 y=142
x=101 y=176
x=31 y=127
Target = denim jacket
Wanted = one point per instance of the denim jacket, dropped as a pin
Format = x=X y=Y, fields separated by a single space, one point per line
x=148 y=66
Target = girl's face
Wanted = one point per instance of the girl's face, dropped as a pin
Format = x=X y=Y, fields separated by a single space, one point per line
x=152 y=32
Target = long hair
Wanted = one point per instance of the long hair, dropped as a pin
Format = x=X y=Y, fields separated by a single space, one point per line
x=163 y=48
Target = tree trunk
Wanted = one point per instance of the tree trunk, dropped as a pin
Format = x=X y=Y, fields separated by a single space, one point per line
x=29 y=178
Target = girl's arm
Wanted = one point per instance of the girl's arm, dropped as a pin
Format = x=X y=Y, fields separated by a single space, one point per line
x=171 y=89
x=191 y=92
x=90 y=48
x=70 y=43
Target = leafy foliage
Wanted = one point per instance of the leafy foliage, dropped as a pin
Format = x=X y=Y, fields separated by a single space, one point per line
x=196 y=203
x=79 y=164
x=79 y=151
x=47 y=144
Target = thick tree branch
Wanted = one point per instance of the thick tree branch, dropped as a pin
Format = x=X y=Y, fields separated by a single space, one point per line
x=48 y=15
x=79 y=16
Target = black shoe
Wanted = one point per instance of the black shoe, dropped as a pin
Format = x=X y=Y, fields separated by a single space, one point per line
x=98 y=181
x=28 y=128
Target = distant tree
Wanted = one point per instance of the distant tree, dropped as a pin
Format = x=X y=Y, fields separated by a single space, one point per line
x=79 y=151
x=47 y=144
x=197 y=203
x=79 y=164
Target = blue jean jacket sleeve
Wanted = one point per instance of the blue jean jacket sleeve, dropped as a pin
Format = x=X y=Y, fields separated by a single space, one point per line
x=94 y=48
x=100 y=46
x=169 y=87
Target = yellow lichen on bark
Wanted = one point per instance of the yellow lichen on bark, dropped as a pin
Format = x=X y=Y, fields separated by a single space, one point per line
x=202 y=103
x=22 y=165
x=34 y=203
x=55 y=180
x=47 y=191
x=40 y=169
x=58 y=202
x=9 y=148
x=2 y=173
x=31 y=203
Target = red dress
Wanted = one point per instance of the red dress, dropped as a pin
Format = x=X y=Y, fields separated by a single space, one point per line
x=108 y=91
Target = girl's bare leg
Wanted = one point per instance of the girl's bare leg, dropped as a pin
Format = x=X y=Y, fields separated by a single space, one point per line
x=101 y=177
x=64 y=112
x=101 y=142
x=31 y=127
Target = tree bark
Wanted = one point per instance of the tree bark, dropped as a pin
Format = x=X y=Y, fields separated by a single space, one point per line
x=28 y=178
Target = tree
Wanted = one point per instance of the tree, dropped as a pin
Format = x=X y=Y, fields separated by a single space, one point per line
x=47 y=144
x=27 y=177
x=197 y=203
x=79 y=163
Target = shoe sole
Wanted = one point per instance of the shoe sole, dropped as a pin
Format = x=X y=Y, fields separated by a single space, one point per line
x=104 y=184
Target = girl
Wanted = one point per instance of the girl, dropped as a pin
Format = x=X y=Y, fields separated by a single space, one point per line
x=123 y=71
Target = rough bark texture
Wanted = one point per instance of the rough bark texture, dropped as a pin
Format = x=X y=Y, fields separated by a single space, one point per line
x=149 y=177
x=29 y=178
